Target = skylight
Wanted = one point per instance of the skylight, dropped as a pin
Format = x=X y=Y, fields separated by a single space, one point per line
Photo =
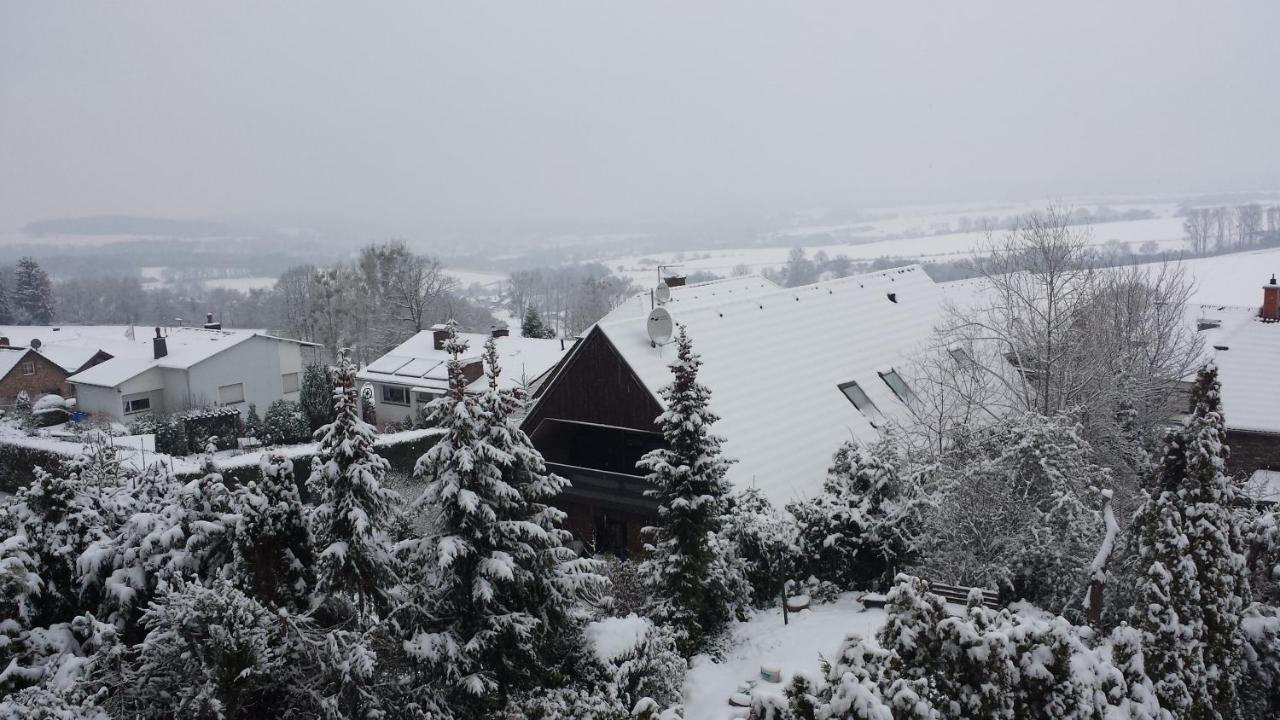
x=897 y=385
x=860 y=400
x=959 y=355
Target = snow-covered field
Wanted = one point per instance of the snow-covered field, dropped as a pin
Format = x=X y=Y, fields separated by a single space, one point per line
x=1234 y=279
x=939 y=233
x=811 y=634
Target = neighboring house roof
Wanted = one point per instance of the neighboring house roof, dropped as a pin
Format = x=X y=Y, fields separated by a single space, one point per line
x=9 y=359
x=186 y=347
x=695 y=295
x=1263 y=486
x=775 y=361
x=1247 y=360
x=416 y=363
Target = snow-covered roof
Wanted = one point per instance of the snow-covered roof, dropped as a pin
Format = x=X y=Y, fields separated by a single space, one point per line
x=9 y=359
x=695 y=295
x=186 y=347
x=775 y=362
x=417 y=364
x=1247 y=359
x=1263 y=486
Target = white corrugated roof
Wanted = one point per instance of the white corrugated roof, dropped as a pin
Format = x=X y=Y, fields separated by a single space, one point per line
x=416 y=359
x=774 y=361
x=1248 y=371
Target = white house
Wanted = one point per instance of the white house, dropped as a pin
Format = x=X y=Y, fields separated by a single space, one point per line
x=414 y=373
x=182 y=368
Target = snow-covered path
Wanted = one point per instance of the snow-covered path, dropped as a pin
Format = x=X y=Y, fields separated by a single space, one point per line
x=763 y=639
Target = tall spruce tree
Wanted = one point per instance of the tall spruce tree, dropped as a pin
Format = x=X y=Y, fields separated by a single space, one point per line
x=355 y=567
x=695 y=586
x=504 y=588
x=1215 y=543
x=1193 y=584
x=32 y=293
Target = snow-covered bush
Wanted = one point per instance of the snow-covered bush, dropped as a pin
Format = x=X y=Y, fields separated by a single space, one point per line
x=284 y=424
x=272 y=542
x=253 y=423
x=38 y=703
x=633 y=671
x=171 y=435
x=1015 y=513
x=764 y=540
x=50 y=410
x=865 y=524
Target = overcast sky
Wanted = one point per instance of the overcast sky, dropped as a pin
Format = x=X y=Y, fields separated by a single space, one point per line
x=422 y=111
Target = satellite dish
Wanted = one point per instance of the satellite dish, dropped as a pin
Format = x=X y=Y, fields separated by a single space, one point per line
x=662 y=293
x=35 y=343
x=366 y=392
x=660 y=326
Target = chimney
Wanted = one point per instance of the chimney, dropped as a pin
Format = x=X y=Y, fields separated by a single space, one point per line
x=159 y=345
x=209 y=324
x=499 y=330
x=1270 y=301
x=472 y=370
x=439 y=333
x=4 y=342
x=675 y=281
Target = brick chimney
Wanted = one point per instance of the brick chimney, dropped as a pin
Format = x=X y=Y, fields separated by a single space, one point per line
x=1270 y=311
x=499 y=330
x=439 y=333
x=159 y=346
x=209 y=324
x=4 y=342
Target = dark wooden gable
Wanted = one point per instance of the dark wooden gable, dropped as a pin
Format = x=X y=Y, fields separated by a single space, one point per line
x=595 y=385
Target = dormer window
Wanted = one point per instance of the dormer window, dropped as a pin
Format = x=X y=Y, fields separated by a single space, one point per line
x=959 y=355
x=859 y=398
x=897 y=385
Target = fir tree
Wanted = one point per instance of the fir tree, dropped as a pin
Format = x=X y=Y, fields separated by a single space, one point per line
x=695 y=588
x=504 y=588
x=532 y=326
x=355 y=568
x=316 y=396
x=32 y=294
x=253 y=423
x=284 y=423
x=272 y=543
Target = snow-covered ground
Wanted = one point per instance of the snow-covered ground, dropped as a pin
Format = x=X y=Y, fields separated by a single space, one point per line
x=1234 y=279
x=811 y=635
x=1165 y=231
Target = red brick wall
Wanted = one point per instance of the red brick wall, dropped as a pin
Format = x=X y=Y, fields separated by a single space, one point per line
x=48 y=378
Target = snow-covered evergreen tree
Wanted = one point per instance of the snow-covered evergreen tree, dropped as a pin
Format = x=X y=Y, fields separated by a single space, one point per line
x=502 y=590
x=1215 y=543
x=696 y=589
x=253 y=423
x=531 y=326
x=355 y=566
x=272 y=542
x=765 y=542
x=316 y=395
x=32 y=294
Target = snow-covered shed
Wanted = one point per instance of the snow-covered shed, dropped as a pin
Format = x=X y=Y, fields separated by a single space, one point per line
x=415 y=372
x=793 y=372
x=185 y=367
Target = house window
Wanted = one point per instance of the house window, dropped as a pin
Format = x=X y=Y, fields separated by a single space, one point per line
x=426 y=397
x=959 y=355
x=860 y=400
x=897 y=385
x=137 y=405
x=290 y=381
x=231 y=394
x=28 y=368
x=395 y=395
